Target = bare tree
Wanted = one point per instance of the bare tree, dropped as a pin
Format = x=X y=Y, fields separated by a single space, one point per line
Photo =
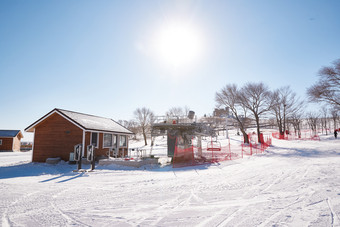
x=132 y=125
x=296 y=120
x=312 y=120
x=284 y=103
x=144 y=117
x=186 y=110
x=324 y=119
x=256 y=98
x=175 y=112
x=127 y=124
x=229 y=96
x=327 y=89
x=124 y=123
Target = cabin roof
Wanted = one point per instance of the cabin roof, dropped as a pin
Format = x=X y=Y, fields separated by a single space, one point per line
x=9 y=133
x=86 y=122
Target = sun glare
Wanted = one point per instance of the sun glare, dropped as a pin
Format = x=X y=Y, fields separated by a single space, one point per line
x=179 y=45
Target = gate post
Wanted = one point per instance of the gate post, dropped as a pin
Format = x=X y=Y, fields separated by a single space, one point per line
x=77 y=155
x=91 y=156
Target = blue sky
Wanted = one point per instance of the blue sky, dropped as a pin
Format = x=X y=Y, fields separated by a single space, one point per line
x=99 y=57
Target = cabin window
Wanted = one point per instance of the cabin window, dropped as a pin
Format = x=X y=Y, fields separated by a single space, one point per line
x=0 y=142
x=94 y=139
x=107 y=140
x=114 y=140
x=122 y=141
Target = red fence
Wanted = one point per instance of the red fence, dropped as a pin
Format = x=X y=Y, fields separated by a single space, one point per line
x=304 y=135
x=213 y=152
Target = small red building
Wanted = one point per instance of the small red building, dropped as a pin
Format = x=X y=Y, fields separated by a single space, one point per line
x=56 y=134
x=10 y=140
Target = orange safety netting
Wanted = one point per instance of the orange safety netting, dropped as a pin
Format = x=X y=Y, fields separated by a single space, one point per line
x=213 y=152
x=303 y=135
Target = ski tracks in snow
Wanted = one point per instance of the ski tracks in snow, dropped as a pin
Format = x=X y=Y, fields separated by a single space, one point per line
x=69 y=220
x=334 y=218
x=5 y=220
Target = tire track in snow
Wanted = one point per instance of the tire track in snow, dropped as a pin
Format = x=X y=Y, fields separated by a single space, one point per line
x=5 y=218
x=225 y=221
x=178 y=203
x=284 y=176
x=241 y=205
x=334 y=217
x=279 y=212
x=4 y=221
x=184 y=202
x=171 y=205
x=306 y=172
x=69 y=219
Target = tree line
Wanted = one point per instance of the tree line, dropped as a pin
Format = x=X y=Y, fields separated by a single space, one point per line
x=255 y=101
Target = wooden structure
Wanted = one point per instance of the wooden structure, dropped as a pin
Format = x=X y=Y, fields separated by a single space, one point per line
x=56 y=134
x=10 y=140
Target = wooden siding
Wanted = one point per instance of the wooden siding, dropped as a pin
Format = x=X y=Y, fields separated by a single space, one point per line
x=55 y=137
x=7 y=144
x=16 y=143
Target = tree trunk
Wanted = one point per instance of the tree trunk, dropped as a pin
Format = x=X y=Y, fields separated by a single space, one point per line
x=245 y=136
x=258 y=128
x=280 y=127
x=144 y=135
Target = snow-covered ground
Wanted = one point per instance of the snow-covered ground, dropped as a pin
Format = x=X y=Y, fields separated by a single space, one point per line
x=294 y=183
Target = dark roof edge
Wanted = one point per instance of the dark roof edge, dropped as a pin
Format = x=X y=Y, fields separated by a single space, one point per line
x=39 y=119
x=91 y=115
x=99 y=130
x=60 y=113
x=59 y=110
x=70 y=119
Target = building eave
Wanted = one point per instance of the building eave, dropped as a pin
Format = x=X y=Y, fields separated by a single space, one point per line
x=32 y=126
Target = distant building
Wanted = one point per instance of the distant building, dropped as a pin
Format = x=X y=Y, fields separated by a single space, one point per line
x=10 y=140
x=56 y=134
x=221 y=112
x=26 y=146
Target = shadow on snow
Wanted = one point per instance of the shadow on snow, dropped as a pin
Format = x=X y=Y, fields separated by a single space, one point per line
x=63 y=170
x=31 y=169
x=301 y=153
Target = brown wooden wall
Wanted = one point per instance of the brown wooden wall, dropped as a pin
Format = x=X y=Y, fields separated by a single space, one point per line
x=16 y=143
x=55 y=137
x=7 y=144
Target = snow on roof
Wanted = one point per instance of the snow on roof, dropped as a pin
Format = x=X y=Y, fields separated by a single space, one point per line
x=9 y=133
x=91 y=122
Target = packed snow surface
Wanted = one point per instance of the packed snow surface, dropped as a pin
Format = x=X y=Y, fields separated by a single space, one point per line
x=294 y=183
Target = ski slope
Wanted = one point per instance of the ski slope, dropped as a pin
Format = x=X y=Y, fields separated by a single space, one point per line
x=294 y=183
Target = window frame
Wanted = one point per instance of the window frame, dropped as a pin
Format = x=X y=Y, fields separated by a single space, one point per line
x=111 y=140
x=126 y=142
x=114 y=136
x=97 y=145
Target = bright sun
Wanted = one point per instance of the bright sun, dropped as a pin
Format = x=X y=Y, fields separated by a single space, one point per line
x=179 y=45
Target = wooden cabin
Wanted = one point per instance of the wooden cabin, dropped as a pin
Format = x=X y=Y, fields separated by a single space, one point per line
x=10 y=140
x=56 y=134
